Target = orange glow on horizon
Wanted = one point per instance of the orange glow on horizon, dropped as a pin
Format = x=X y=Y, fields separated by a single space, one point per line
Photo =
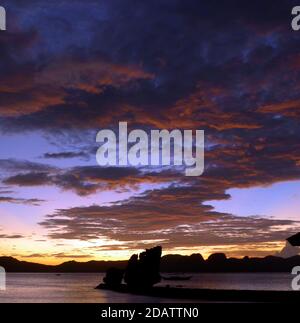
x=237 y=251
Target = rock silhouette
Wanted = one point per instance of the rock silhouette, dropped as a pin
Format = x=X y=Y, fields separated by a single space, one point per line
x=113 y=278
x=143 y=271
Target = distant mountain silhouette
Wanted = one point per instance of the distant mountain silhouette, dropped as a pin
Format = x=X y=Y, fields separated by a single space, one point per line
x=220 y=263
x=13 y=265
x=169 y=263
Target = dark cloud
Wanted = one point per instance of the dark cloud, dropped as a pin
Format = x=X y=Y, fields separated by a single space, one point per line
x=13 y=165
x=28 y=179
x=14 y=200
x=5 y=190
x=71 y=256
x=65 y=155
x=11 y=236
x=158 y=55
x=160 y=215
x=33 y=255
x=228 y=67
x=85 y=180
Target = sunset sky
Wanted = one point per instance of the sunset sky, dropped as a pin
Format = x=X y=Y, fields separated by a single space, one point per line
x=71 y=68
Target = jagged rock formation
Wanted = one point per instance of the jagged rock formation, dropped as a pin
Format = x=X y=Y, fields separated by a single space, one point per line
x=143 y=270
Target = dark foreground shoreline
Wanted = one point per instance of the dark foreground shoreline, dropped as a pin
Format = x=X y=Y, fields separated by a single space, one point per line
x=215 y=295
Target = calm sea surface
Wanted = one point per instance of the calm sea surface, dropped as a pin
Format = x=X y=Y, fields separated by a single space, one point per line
x=79 y=288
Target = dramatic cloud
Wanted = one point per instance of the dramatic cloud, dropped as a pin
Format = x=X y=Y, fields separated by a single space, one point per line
x=230 y=68
x=85 y=180
x=175 y=229
x=139 y=60
x=161 y=214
